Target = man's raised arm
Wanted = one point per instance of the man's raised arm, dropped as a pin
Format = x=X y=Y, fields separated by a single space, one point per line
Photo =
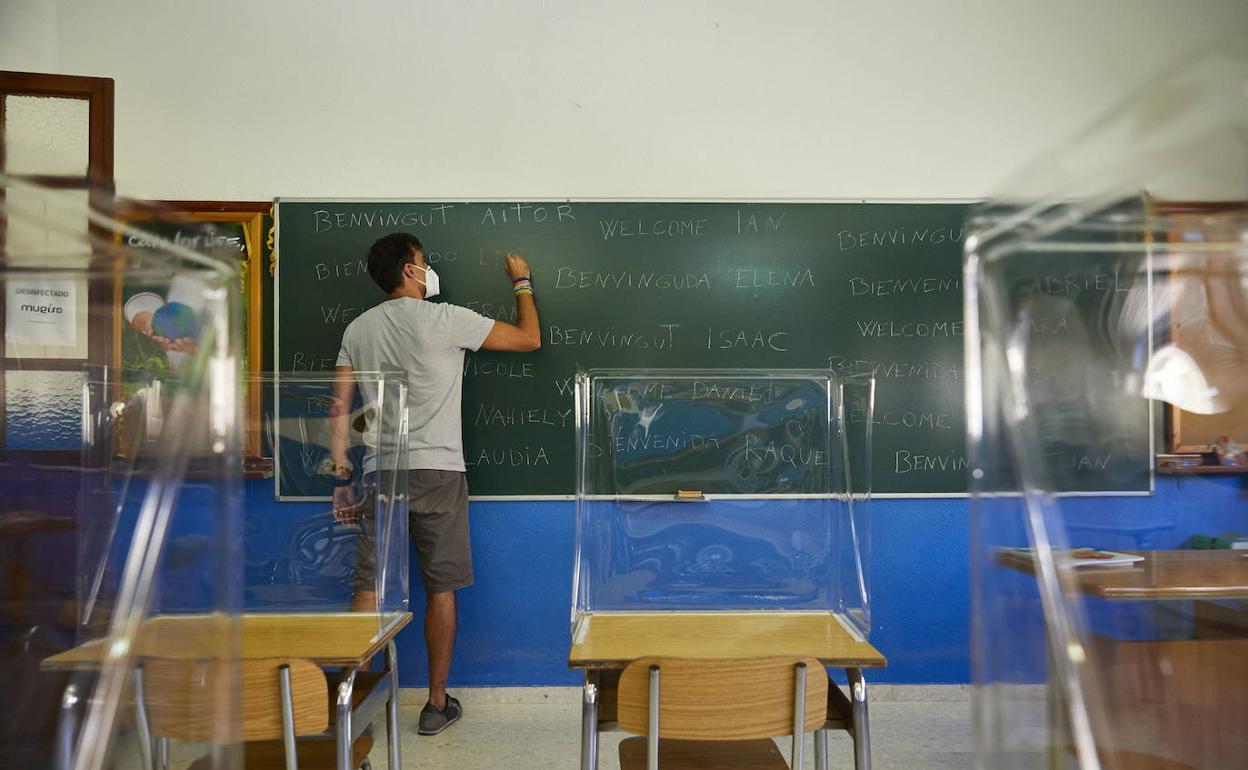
x=525 y=335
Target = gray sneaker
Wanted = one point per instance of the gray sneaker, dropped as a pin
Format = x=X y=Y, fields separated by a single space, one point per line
x=433 y=721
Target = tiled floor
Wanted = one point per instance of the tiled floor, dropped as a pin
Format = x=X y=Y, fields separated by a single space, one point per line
x=906 y=735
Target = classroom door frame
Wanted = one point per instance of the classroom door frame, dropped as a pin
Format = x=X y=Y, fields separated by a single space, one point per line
x=97 y=179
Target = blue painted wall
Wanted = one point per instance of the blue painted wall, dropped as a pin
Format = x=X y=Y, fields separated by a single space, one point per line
x=514 y=621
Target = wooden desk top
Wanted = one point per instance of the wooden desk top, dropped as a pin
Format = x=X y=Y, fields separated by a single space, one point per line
x=337 y=639
x=1188 y=574
x=25 y=523
x=613 y=640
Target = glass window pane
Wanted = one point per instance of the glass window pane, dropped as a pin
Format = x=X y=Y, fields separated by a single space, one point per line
x=43 y=225
x=43 y=410
x=46 y=135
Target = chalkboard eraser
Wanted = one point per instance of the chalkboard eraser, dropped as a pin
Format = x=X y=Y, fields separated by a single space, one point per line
x=689 y=494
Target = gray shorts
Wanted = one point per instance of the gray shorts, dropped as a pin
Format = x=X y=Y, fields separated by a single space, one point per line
x=437 y=515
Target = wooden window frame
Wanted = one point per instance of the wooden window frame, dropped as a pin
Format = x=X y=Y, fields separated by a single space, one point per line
x=99 y=95
x=98 y=181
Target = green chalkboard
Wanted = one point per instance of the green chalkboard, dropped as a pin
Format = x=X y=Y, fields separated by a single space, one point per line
x=854 y=286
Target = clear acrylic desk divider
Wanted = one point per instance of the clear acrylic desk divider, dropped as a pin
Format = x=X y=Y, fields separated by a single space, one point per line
x=121 y=509
x=721 y=490
x=855 y=417
x=322 y=554
x=1107 y=352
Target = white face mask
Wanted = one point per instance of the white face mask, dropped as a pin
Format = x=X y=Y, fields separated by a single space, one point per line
x=431 y=283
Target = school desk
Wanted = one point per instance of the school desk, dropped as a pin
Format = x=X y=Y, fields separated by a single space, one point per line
x=348 y=640
x=1163 y=575
x=604 y=643
x=1183 y=699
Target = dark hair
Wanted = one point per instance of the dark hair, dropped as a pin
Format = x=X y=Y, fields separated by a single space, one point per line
x=387 y=257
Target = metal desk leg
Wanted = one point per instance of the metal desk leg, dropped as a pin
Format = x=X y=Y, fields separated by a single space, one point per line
x=162 y=753
x=392 y=707
x=821 y=746
x=589 y=722
x=862 y=727
x=343 y=732
x=140 y=720
x=1055 y=713
x=67 y=728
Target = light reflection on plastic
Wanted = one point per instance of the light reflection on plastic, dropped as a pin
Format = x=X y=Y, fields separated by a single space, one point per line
x=223 y=400
x=1174 y=376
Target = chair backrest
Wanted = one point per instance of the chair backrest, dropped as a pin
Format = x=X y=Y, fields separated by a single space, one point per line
x=181 y=698
x=732 y=699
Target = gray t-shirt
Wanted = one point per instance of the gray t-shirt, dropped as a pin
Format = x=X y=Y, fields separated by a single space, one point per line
x=427 y=341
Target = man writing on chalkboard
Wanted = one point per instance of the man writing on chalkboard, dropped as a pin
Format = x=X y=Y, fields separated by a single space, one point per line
x=426 y=341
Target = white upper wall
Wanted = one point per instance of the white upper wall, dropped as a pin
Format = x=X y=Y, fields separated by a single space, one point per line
x=238 y=99
x=28 y=35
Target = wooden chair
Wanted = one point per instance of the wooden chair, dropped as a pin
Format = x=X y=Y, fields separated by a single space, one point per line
x=718 y=713
x=281 y=701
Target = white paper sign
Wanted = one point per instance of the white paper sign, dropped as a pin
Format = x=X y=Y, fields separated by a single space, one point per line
x=42 y=312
